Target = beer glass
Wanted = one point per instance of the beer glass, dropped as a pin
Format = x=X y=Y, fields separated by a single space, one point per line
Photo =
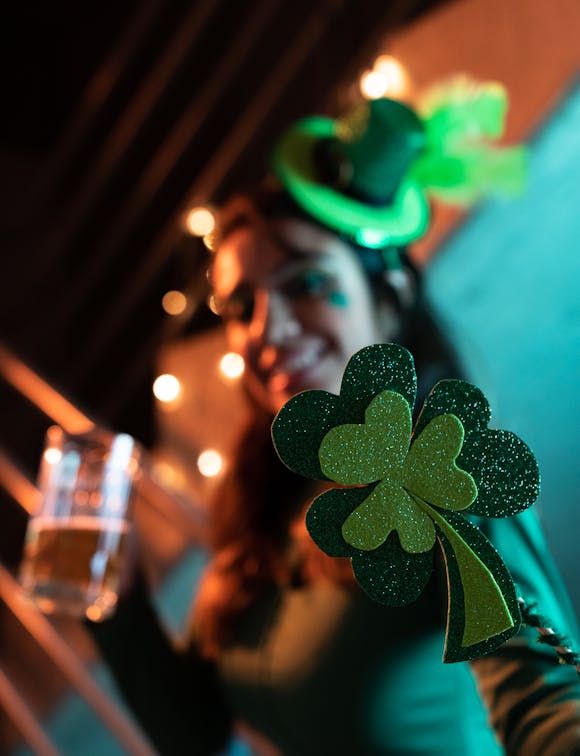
x=76 y=543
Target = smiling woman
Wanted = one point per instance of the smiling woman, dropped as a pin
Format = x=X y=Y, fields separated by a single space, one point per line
x=282 y=638
x=296 y=304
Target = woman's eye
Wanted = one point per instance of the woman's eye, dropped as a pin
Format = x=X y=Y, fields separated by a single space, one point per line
x=309 y=283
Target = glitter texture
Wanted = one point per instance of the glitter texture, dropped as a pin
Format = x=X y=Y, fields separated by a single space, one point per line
x=430 y=470
x=454 y=649
x=411 y=490
x=302 y=423
x=360 y=453
x=502 y=465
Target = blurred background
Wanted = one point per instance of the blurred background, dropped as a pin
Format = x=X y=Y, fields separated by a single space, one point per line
x=123 y=124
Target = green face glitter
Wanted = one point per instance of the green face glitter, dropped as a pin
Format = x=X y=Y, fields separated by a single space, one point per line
x=316 y=283
x=338 y=299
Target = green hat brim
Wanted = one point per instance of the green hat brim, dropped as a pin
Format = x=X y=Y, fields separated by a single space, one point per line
x=402 y=221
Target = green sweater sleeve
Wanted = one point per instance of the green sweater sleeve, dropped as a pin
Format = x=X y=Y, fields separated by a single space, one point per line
x=174 y=694
x=534 y=702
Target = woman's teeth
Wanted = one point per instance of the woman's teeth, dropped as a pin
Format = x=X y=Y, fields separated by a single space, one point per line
x=295 y=363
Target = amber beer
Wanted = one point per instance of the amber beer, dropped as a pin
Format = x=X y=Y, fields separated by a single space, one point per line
x=76 y=542
x=73 y=563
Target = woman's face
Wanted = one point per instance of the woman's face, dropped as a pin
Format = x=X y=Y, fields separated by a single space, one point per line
x=297 y=305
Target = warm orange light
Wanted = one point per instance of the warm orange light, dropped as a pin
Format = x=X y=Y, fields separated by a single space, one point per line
x=42 y=395
x=94 y=613
x=52 y=455
x=232 y=365
x=212 y=304
x=373 y=84
x=174 y=302
x=165 y=473
x=18 y=485
x=388 y=77
x=166 y=388
x=210 y=241
x=393 y=73
x=210 y=463
x=200 y=221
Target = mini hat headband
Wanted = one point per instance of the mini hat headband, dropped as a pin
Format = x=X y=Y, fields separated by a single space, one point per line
x=370 y=174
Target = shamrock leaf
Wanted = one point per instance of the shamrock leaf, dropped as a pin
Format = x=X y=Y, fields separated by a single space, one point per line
x=306 y=418
x=358 y=454
x=410 y=490
x=388 y=574
x=431 y=471
x=355 y=454
x=503 y=467
x=389 y=508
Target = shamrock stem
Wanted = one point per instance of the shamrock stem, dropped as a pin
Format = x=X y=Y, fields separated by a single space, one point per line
x=480 y=601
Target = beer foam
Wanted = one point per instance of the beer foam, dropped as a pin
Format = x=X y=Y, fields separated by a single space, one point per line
x=79 y=522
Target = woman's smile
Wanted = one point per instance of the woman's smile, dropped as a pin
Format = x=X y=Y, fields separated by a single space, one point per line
x=294 y=367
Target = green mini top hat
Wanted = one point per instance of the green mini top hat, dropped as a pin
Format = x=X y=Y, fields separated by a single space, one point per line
x=370 y=174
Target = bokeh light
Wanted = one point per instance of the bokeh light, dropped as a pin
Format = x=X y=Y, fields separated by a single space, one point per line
x=165 y=473
x=210 y=463
x=94 y=613
x=52 y=455
x=169 y=473
x=209 y=241
x=166 y=388
x=395 y=74
x=212 y=304
x=232 y=365
x=388 y=77
x=200 y=221
x=373 y=84
x=174 y=302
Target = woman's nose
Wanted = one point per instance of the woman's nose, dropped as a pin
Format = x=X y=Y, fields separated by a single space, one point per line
x=275 y=320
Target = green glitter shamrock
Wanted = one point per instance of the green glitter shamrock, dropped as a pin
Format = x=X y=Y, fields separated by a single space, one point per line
x=407 y=491
x=362 y=454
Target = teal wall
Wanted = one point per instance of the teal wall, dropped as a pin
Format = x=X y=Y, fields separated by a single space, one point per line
x=508 y=283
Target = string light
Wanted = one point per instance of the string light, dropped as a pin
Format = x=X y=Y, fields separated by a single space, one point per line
x=52 y=455
x=94 y=613
x=174 y=302
x=168 y=474
x=373 y=84
x=166 y=388
x=210 y=463
x=165 y=473
x=232 y=365
x=212 y=304
x=209 y=241
x=395 y=74
x=200 y=221
x=387 y=77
